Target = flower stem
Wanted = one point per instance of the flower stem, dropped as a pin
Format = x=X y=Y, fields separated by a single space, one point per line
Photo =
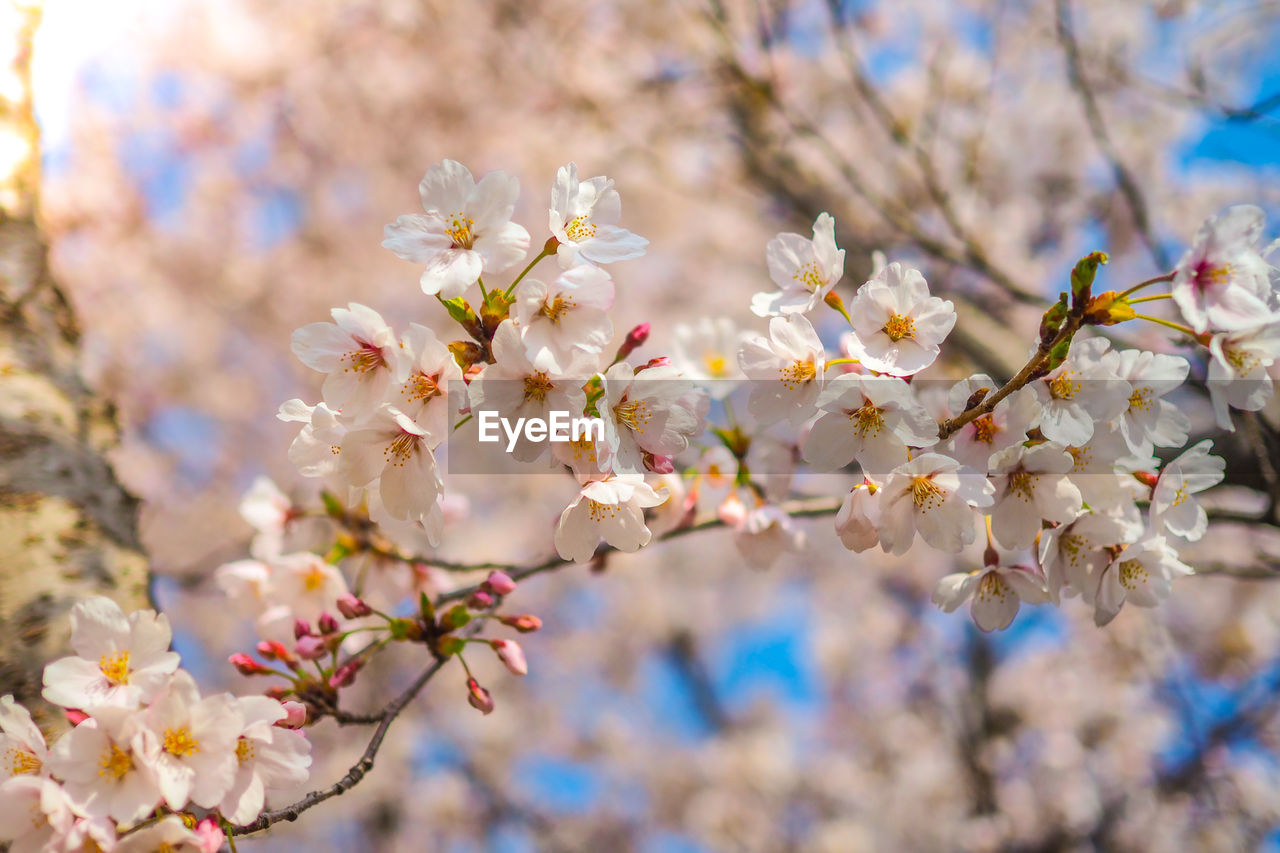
x=547 y=251
x=1178 y=327
x=841 y=361
x=1166 y=277
x=1150 y=298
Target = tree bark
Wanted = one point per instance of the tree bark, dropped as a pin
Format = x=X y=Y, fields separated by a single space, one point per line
x=68 y=529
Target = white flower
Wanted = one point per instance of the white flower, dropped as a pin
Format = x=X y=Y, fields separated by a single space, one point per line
x=1140 y=573
x=516 y=388
x=1238 y=377
x=1004 y=426
x=612 y=509
x=1073 y=555
x=897 y=326
x=996 y=591
x=107 y=764
x=22 y=748
x=167 y=835
x=197 y=740
x=655 y=411
x=467 y=229
x=1101 y=470
x=359 y=355
x=583 y=218
x=1222 y=282
x=395 y=451
x=267 y=510
x=765 y=534
x=934 y=495
x=870 y=418
x=1080 y=392
x=566 y=316
x=717 y=475
x=1151 y=421
x=35 y=813
x=804 y=270
x=424 y=394
x=315 y=449
x=267 y=758
x=707 y=352
x=1172 y=506
x=305 y=585
x=1031 y=486
x=90 y=835
x=247 y=583
x=119 y=661
x=788 y=368
x=858 y=521
x=586 y=457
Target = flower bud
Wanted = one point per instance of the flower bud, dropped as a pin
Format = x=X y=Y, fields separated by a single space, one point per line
x=246 y=665
x=660 y=361
x=301 y=628
x=311 y=648
x=75 y=716
x=480 y=600
x=635 y=338
x=478 y=697
x=210 y=835
x=346 y=674
x=351 y=607
x=500 y=583
x=295 y=715
x=265 y=648
x=524 y=623
x=659 y=464
x=511 y=655
x=327 y=624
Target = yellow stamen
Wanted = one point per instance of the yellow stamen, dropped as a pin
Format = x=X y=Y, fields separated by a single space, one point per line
x=459 y=231
x=557 y=308
x=809 y=277
x=1063 y=387
x=422 y=387
x=1141 y=399
x=180 y=742
x=115 y=667
x=244 y=750
x=599 y=511
x=985 y=429
x=536 y=386
x=579 y=228
x=899 y=326
x=364 y=360
x=21 y=762
x=926 y=494
x=798 y=374
x=1132 y=574
x=868 y=420
x=634 y=414
x=115 y=763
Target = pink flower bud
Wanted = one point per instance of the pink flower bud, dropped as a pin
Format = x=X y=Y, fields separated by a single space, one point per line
x=500 y=583
x=635 y=338
x=511 y=655
x=246 y=665
x=660 y=361
x=277 y=693
x=265 y=649
x=76 y=717
x=210 y=835
x=659 y=464
x=479 y=697
x=327 y=624
x=524 y=623
x=351 y=607
x=295 y=715
x=311 y=648
x=346 y=674
x=300 y=628
x=480 y=600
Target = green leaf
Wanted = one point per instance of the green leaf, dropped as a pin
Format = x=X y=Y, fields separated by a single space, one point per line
x=455 y=617
x=1082 y=277
x=427 y=609
x=1058 y=354
x=399 y=628
x=460 y=311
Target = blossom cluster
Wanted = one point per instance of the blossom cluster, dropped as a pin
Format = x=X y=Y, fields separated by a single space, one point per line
x=146 y=749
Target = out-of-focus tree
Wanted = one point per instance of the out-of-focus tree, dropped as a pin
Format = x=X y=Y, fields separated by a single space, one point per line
x=226 y=182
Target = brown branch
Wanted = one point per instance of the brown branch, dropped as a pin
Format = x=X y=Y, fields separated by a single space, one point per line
x=357 y=771
x=1124 y=178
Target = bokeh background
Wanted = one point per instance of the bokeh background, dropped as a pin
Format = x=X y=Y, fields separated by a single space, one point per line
x=217 y=173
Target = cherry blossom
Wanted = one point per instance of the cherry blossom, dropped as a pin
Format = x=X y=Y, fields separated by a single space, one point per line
x=107 y=764
x=654 y=411
x=1151 y=421
x=22 y=747
x=394 y=450
x=1082 y=391
x=119 y=660
x=1172 y=507
x=1140 y=573
x=267 y=757
x=196 y=737
x=898 y=328
x=804 y=270
x=765 y=534
x=169 y=834
x=583 y=219
x=707 y=352
x=858 y=521
x=1238 y=376
x=1222 y=282
x=466 y=231
x=934 y=495
x=35 y=814
x=871 y=418
x=315 y=449
x=359 y=355
x=1004 y=426
x=424 y=394
x=789 y=367
x=566 y=316
x=611 y=509
x=996 y=593
x=1073 y=555
x=1031 y=486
